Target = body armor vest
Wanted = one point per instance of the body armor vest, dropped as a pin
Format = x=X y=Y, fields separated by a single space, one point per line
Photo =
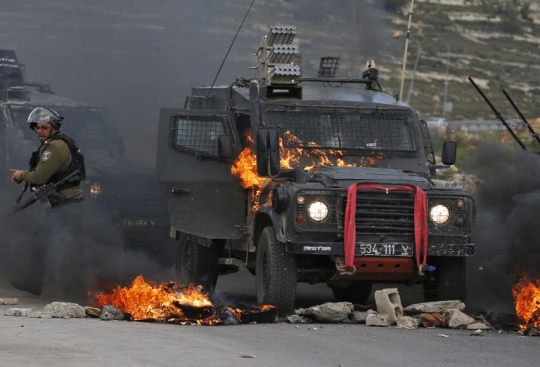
x=77 y=162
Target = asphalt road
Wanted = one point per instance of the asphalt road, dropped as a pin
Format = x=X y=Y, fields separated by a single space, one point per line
x=93 y=342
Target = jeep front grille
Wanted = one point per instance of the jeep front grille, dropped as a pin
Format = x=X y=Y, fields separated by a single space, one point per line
x=384 y=217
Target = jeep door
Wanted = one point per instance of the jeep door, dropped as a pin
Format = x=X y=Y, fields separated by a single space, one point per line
x=203 y=197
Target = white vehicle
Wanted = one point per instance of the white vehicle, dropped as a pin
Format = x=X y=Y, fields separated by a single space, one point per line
x=436 y=122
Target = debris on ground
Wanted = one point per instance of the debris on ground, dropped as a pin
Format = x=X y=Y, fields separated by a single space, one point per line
x=441 y=314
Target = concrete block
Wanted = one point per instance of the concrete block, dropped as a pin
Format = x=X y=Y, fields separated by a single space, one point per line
x=388 y=302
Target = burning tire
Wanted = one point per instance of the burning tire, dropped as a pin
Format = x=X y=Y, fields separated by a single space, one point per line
x=275 y=273
x=196 y=264
x=355 y=292
x=449 y=281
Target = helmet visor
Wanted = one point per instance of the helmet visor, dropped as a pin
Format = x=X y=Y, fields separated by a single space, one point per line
x=41 y=114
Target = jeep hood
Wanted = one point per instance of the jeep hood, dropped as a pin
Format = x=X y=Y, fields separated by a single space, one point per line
x=346 y=176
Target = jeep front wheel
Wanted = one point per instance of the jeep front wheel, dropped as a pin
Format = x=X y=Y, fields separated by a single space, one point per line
x=275 y=273
x=196 y=264
x=448 y=282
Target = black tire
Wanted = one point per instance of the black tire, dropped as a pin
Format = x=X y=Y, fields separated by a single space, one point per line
x=275 y=273
x=356 y=292
x=449 y=281
x=196 y=264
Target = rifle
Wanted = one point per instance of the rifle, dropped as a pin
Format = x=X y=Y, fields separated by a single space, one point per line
x=45 y=192
x=498 y=115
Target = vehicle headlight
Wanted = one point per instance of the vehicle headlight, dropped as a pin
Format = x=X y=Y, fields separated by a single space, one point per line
x=95 y=190
x=439 y=214
x=318 y=211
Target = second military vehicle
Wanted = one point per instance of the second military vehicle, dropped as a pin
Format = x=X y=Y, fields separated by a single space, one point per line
x=117 y=192
x=310 y=179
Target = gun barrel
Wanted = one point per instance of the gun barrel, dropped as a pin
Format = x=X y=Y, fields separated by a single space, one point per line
x=531 y=130
x=498 y=115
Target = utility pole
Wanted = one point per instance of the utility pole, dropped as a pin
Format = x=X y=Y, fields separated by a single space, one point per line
x=445 y=104
x=405 y=53
x=414 y=71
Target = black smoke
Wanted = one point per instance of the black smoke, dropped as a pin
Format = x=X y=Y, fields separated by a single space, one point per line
x=136 y=56
x=508 y=230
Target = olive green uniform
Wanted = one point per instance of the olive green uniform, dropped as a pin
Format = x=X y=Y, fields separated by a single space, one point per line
x=62 y=226
x=54 y=156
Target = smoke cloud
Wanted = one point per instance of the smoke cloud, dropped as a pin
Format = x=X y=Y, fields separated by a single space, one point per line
x=507 y=234
x=135 y=57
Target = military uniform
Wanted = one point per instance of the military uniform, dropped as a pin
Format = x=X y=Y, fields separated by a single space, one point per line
x=57 y=236
x=54 y=157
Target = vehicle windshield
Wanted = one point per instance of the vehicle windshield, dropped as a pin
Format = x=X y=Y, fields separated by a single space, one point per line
x=343 y=128
x=82 y=124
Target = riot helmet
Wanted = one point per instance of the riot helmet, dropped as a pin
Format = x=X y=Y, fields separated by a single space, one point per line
x=41 y=114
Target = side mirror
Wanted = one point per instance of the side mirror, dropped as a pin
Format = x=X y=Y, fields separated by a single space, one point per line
x=224 y=146
x=449 y=151
x=267 y=151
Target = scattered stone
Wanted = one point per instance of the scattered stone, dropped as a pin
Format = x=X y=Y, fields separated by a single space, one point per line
x=247 y=356
x=328 y=312
x=359 y=317
x=379 y=319
x=92 y=311
x=477 y=333
x=296 y=319
x=406 y=322
x=433 y=307
x=115 y=312
x=17 y=312
x=106 y=316
x=9 y=301
x=459 y=320
x=65 y=309
x=39 y=315
x=478 y=326
x=443 y=335
x=430 y=320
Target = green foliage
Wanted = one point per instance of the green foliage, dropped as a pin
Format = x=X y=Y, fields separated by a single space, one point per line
x=511 y=11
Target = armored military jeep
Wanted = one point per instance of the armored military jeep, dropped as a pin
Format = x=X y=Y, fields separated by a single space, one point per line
x=310 y=179
x=128 y=197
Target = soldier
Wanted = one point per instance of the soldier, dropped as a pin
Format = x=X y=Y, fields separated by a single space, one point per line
x=56 y=158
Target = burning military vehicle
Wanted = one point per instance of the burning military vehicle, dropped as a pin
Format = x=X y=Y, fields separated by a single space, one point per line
x=117 y=192
x=310 y=179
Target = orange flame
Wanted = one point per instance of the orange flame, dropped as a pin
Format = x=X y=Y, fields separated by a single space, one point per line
x=245 y=166
x=527 y=302
x=171 y=302
x=144 y=301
